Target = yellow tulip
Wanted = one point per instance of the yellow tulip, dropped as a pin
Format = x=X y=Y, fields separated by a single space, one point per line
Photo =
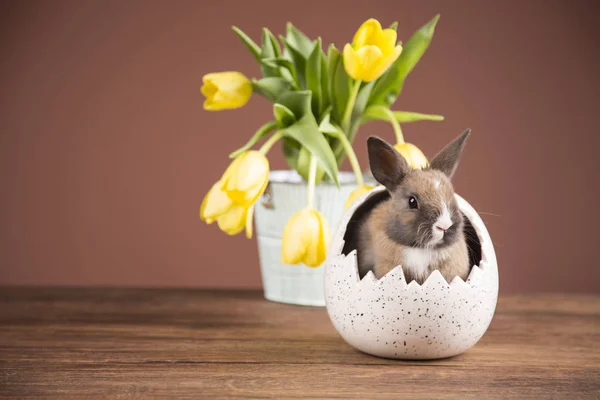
x=372 y=51
x=413 y=155
x=231 y=200
x=356 y=193
x=246 y=177
x=215 y=203
x=233 y=221
x=225 y=90
x=305 y=238
x=217 y=206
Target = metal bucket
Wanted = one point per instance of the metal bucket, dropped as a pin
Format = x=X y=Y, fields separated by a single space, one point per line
x=285 y=195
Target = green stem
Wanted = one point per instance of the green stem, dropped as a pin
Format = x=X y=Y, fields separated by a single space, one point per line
x=395 y=125
x=351 y=155
x=350 y=105
x=312 y=174
x=259 y=134
x=264 y=149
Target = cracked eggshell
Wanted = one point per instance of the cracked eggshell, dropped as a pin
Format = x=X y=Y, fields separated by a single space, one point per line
x=392 y=319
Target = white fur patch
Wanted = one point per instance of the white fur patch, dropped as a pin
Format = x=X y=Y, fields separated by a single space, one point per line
x=444 y=221
x=417 y=260
x=436 y=183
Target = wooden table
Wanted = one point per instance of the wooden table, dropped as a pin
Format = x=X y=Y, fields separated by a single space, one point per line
x=232 y=344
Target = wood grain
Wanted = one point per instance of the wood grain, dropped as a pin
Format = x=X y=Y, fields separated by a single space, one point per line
x=99 y=343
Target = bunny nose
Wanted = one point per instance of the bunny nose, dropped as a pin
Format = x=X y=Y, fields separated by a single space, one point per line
x=444 y=222
x=442 y=228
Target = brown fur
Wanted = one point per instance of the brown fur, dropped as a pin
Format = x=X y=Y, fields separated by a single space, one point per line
x=393 y=233
x=377 y=252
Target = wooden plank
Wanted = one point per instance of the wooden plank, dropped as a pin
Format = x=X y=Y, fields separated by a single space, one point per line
x=229 y=344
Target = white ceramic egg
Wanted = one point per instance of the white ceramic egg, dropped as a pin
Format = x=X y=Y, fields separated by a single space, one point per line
x=392 y=319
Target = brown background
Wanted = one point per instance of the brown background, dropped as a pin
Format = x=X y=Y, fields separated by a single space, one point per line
x=106 y=153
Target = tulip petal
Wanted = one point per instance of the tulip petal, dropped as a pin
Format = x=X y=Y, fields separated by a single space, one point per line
x=222 y=100
x=388 y=41
x=215 y=203
x=323 y=242
x=231 y=170
x=369 y=57
x=233 y=221
x=352 y=63
x=249 y=220
x=246 y=177
x=217 y=104
x=313 y=236
x=384 y=63
x=229 y=178
x=293 y=246
x=210 y=76
x=253 y=194
x=208 y=89
x=413 y=155
x=320 y=248
x=326 y=237
x=367 y=33
x=356 y=193
x=253 y=171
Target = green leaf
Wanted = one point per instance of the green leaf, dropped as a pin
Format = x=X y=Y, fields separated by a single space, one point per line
x=274 y=43
x=284 y=63
x=271 y=88
x=259 y=134
x=268 y=51
x=406 y=116
x=333 y=57
x=339 y=83
x=291 y=151
x=283 y=115
x=297 y=102
x=298 y=60
x=313 y=76
x=360 y=104
x=394 y=25
x=306 y=132
x=326 y=126
x=299 y=40
x=303 y=166
x=390 y=84
x=381 y=113
x=250 y=44
x=326 y=99
x=416 y=46
x=403 y=117
x=357 y=112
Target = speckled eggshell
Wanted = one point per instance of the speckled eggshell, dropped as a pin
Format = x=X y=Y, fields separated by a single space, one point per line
x=388 y=318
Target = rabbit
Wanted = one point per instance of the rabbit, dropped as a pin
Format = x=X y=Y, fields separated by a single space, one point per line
x=418 y=225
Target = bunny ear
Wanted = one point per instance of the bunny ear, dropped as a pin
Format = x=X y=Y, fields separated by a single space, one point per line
x=447 y=159
x=387 y=165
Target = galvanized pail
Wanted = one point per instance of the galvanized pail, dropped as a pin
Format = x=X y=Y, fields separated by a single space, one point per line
x=285 y=195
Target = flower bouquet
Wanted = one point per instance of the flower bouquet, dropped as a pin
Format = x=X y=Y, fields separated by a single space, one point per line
x=320 y=99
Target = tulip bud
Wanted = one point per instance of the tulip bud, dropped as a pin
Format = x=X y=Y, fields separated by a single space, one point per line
x=356 y=193
x=413 y=155
x=225 y=90
x=372 y=51
x=231 y=200
x=305 y=238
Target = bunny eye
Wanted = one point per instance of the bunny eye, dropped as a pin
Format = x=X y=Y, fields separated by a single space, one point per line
x=412 y=202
